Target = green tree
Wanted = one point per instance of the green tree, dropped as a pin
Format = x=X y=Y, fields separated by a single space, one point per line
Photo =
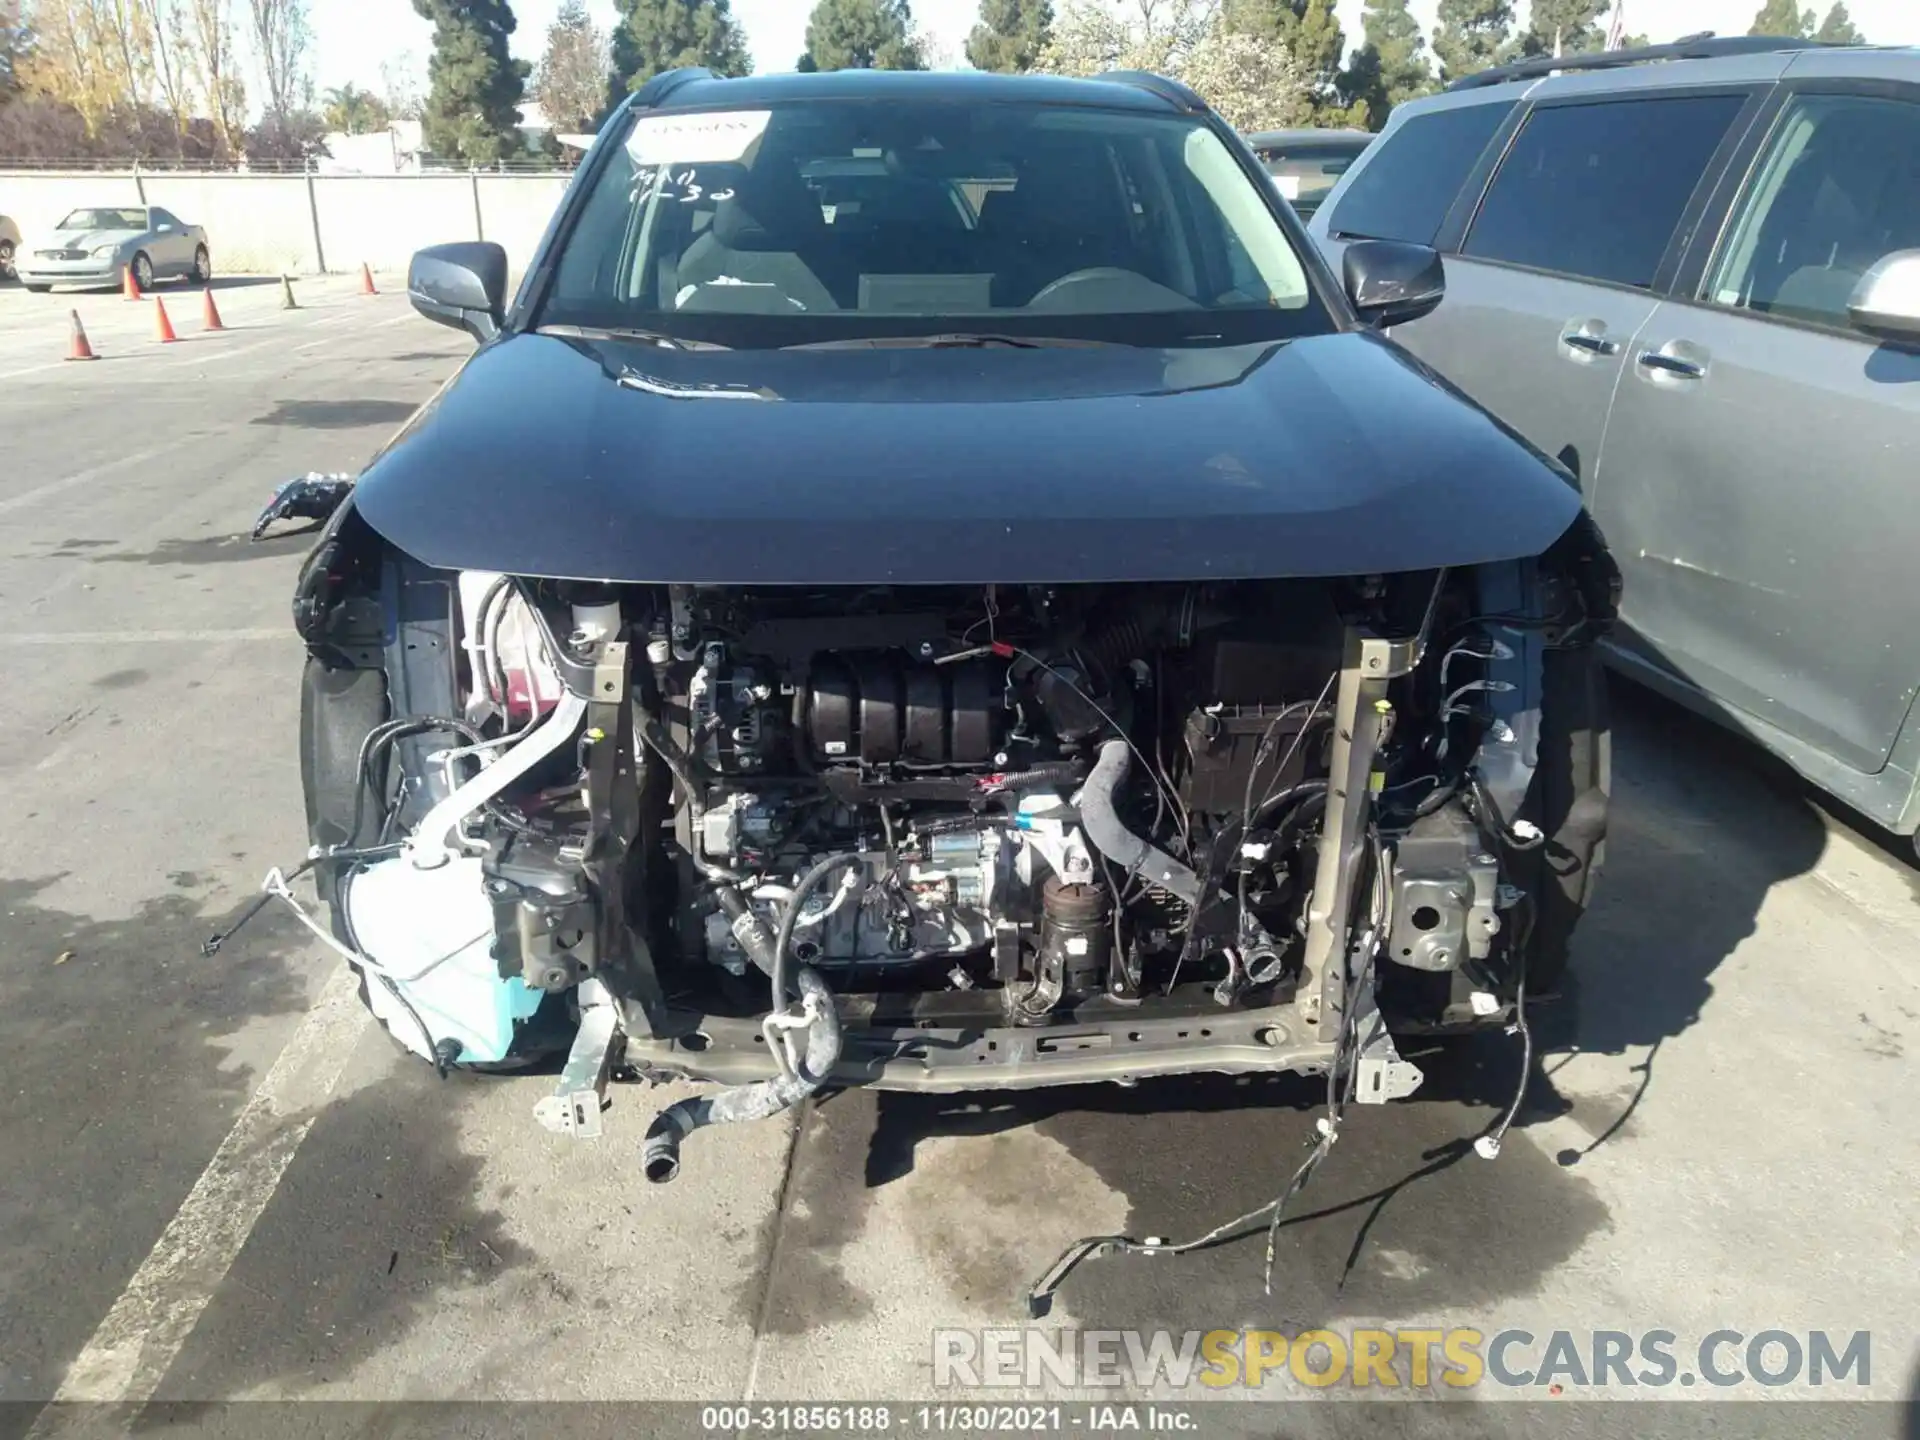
x=1310 y=31
x=1566 y=27
x=355 y=111
x=1783 y=17
x=1391 y=67
x=1011 y=34
x=1471 y=36
x=653 y=36
x=863 y=35
x=474 y=84
x=1838 y=28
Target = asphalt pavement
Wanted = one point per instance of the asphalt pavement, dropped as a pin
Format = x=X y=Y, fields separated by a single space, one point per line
x=224 y=1183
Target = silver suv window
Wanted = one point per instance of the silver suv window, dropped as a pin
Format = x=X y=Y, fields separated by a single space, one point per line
x=1837 y=190
x=1415 y=172
x=1596 y=190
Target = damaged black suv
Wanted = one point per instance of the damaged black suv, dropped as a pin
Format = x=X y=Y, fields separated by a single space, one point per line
x=931 y=583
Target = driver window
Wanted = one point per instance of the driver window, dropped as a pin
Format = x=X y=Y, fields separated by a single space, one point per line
x=1837 y=190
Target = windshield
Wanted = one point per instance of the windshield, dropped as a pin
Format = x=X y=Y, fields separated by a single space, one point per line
x=830 y=220
x=104 y=220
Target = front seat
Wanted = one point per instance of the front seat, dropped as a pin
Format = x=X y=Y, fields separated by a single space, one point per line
x=764 y=242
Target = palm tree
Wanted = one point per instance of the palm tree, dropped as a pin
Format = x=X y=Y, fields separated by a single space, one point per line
x=356 y=111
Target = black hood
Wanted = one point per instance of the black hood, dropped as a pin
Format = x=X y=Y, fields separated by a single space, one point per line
x=1334 y=455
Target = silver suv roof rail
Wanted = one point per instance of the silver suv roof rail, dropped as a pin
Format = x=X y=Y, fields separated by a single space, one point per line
x=1705 y=46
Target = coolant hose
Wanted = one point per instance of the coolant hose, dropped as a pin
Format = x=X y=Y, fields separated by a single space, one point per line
x=790 y=913
x=1119 y=844
x=660 y=1154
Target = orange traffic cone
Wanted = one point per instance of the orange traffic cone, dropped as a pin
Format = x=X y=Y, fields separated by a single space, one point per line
x=162 y=327
x=366 y=280
x=129 y=287
x=77 y=346
x=209 y=312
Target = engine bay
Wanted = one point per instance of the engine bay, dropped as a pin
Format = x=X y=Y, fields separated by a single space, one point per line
x=940 y=837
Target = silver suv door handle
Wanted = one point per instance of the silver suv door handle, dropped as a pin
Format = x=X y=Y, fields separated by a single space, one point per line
x=1675 y=360
x=1588 y=337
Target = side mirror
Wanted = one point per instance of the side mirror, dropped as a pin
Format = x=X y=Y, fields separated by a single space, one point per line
x=1391 y=282
x=1886 y=302
x=463 y=285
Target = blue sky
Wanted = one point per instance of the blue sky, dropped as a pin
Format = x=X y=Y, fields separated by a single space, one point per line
x=353 y=38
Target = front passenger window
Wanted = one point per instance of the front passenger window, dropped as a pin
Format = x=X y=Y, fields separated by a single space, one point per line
x=1837 y=189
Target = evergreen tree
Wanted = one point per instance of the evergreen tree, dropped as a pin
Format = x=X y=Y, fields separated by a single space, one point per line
x=1011 y=34
x=652 y=36
x=1310 y=32
x=1783 y=17
x=1391 y=67
x=1471 y=36
x=863 y=35
x=1838 y=28
x=1571 y=25
x=474 y=84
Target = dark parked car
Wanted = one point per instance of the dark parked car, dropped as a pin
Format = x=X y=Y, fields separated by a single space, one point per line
x=1693 y=273
x=946 y=646
x=1307 y=164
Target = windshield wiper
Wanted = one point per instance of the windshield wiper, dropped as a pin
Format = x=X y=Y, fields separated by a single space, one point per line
x=956 y=341
x=621 y=332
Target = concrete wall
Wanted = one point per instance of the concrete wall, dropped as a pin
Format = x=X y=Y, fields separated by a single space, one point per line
x=253 y=222
x=35 y=202
x=515 y=210
x=300 y=224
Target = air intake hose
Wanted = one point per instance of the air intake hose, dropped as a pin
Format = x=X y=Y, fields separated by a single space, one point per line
x=1119 y=844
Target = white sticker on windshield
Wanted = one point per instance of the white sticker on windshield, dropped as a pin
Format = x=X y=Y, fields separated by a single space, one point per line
x=1288 y=186
x=708 y=139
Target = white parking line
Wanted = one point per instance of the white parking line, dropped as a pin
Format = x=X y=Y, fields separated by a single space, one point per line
x=83 y=477
x=144 y=637
x=141 y=1336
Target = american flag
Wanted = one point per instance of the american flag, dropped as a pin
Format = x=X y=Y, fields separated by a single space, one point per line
x=1616 y=27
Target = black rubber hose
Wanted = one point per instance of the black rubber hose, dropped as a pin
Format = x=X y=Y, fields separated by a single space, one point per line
x=660 y=1153
x=1111 y=837
x=783 y=942
x=1286 y=797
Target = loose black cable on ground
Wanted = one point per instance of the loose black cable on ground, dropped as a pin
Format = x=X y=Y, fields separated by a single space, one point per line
x=1040 y=1296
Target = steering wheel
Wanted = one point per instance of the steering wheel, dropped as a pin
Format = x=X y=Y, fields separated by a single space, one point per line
x=1080 y=277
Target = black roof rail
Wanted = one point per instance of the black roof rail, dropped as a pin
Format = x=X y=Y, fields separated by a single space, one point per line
x=655 y=92
x=1172 y=91
x=1692 y=47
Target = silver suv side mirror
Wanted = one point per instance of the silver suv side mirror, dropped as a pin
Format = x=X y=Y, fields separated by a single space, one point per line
x=1886 y=302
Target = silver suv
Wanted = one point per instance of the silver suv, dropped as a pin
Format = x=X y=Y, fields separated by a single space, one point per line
x=1692 y=273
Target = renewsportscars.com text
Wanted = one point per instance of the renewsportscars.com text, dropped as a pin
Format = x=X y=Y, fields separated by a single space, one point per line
x=1557 y=1361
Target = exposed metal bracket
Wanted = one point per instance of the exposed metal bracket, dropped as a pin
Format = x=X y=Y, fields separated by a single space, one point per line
x=575 y=1105
x=1380 y=1078
x=1369 y=662
x=1379 y=1074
